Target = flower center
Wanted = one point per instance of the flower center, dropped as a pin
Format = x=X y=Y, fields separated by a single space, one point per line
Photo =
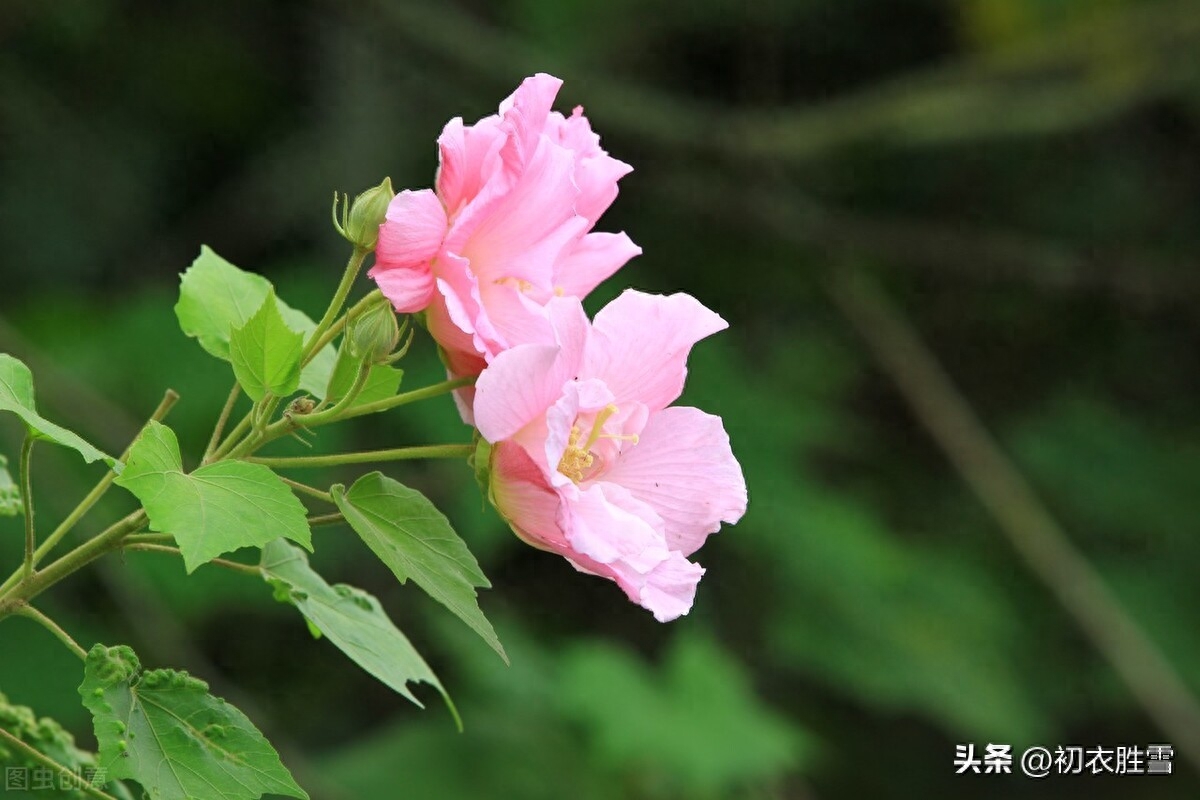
x=578 y=458
x=522 y=286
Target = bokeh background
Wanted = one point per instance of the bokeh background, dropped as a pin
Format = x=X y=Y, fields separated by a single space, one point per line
x=865 y=189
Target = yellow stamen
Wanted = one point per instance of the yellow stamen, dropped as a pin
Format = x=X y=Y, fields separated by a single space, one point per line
x=577 y=459
x=519 y=284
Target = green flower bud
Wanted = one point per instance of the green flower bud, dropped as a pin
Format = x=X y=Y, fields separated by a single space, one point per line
x=374 y=335
x=367 y=213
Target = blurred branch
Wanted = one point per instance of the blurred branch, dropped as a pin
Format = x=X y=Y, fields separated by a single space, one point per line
x=1052 y=83
x=950 y=249
x=1048 y=552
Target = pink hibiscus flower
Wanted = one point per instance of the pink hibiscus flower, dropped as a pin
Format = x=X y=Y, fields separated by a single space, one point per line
x=507 y=229
x=590 y=462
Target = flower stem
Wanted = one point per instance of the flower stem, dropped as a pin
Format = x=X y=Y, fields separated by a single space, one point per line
x=27 y=503
x=445 y=387
x=52 y=626
x=107 y=541
x=335 y=306
x=46 y=761
x=232 y=438
x=358 y=308
x=245 y=569
x=337 y=411
x=304 y=488
x=170 y=398
x=149 y=538
x=367 y=457
x=215 y=441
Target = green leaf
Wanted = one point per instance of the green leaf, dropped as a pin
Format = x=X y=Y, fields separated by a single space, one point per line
x=218 y=508
x=382 y=382
x=416 y=541
x=351 y=619
x=16 y=395
x=10 y=493
x=50 y=739
x=266 y=353
x=163 y=729
x=216 y=298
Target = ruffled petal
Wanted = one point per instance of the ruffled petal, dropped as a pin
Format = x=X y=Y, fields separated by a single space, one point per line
x=409 y=238
x=683 y=467
x=670 y=589
x=608 y=527
x=469 y=161
x=594 y=258
x=526 y=113
x=524 y=232
x=640 y=344
x=616 y=536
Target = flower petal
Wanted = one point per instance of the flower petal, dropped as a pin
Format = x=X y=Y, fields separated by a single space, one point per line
x=524 y=232
x=409 y=238
x=616 y=536
x=670 y=589
x=593 y=259
x=640 y=344
x=469 y=160
x=526 y=113
x=683 y=467
x=609 y=527
x=524 y=499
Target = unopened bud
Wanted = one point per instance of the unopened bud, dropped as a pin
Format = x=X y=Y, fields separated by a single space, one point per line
x=374 y=335
x=366 y=214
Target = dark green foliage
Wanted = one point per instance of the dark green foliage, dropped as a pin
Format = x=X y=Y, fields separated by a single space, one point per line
x=1020 y=174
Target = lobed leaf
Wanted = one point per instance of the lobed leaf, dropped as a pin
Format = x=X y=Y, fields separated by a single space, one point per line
x=266 y=353
x=163 y=729
x=216 y=509
x=415 y=540
x=350 y=618
x=216 y=298
x=16 y=396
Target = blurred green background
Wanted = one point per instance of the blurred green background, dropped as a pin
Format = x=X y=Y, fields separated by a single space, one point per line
x=1021 y=177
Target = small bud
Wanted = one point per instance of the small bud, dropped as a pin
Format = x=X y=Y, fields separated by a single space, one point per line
x=374 y=335
x=367 y=213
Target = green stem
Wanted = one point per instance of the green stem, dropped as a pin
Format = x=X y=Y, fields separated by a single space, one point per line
x=335 y=412
x=27 y=503
x=150 y=538
x=52 y=626
x=437 y=389
x=360 y=307
x=335 y=306
x=245 y=569
x=311 y=491
x=325 y=519
x=238 y=431
x=368 y=457
x=222 y=421
x=78 y=558
x=170 y=398
x=46 y=761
